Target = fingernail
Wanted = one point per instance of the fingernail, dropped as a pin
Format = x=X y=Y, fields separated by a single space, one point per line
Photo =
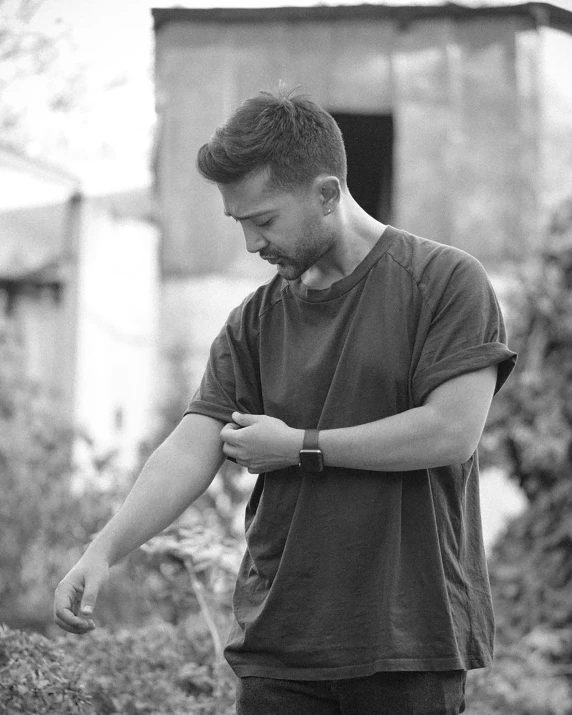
x=86 y=610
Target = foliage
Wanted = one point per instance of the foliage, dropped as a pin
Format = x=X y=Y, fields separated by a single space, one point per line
x=531 y=419
x=41 y=81
x=531 y=422
x=37 y=676
x=531 y=425
x=46 y=517
x=522 y=681
x=211 y=564
x=531 y=566
x=55 y=103
x=157 y=670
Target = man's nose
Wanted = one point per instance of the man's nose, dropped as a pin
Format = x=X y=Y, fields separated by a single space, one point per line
x=254 y=240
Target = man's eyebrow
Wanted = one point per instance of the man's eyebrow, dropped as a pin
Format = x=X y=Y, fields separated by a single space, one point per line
x=252 y=215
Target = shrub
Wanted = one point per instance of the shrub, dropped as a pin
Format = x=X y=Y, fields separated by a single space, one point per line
x=530 y=423
x=37 y=676
x=531 y=566
x=157 y=670
x=522 y=681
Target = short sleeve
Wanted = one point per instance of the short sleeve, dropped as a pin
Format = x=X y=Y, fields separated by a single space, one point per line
x=231 y=379
x=462 y=329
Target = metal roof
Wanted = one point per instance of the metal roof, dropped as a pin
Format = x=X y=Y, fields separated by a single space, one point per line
x=553 y=12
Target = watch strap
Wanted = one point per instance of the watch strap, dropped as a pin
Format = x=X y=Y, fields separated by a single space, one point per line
x=311 y=439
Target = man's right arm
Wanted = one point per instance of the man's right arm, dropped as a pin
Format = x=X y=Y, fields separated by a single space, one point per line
x=176 y=474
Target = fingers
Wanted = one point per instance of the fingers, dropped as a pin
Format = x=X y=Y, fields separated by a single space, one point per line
x=230 y=452
x=229 y=448
x=66 y=606
x=233 y=426
x=244 y=420
x=78 y=629
x=89 y=597
x=76 y=594
x=227 y=433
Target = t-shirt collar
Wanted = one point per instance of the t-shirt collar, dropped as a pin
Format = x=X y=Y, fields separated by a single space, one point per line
x=345 y=284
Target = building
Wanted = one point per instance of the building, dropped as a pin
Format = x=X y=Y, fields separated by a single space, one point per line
x=79 y=288
x=457 y=115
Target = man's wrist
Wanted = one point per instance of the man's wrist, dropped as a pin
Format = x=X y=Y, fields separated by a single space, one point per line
x=100 y=550
x=295 y=446
x=311 y=456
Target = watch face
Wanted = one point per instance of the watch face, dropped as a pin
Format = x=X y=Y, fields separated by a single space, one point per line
x=311 y=460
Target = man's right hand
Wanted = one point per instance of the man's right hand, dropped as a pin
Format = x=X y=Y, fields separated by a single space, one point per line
x=76 y=594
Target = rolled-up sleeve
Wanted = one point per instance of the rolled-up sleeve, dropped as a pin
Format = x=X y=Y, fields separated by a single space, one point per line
x=462 y=330
x=231 y=381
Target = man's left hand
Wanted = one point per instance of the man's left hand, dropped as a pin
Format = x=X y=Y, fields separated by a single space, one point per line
x=261 y=443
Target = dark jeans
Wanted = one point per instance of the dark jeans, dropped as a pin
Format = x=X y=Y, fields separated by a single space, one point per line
x=395 y=693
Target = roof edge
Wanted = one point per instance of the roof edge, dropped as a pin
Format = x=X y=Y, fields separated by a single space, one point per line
x=544 y=13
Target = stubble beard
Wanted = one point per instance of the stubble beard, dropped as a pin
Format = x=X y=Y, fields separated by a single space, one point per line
x=308 y=252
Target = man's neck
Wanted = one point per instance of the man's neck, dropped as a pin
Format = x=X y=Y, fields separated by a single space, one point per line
x=357 y=233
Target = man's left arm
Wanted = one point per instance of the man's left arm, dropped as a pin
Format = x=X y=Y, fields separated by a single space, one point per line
x=445 y=429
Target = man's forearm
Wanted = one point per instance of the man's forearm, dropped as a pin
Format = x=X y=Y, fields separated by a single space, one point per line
x=174 y=476
x=415 y=439
x=445 y=430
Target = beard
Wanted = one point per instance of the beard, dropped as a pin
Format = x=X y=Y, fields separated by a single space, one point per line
x=308 y=250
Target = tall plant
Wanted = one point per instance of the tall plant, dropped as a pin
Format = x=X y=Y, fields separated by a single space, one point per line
x=531 y=419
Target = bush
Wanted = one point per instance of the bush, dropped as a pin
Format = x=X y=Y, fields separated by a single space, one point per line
x=531 y=566
x=522 y=681
x=37 y=677
x=157 y=670
x=531 y=426
x=530 y=423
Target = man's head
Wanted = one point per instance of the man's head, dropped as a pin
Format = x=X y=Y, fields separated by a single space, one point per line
x=291 y=136
x=280 y=165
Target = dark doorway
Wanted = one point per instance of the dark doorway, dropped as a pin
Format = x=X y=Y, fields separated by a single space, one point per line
x=369 y=146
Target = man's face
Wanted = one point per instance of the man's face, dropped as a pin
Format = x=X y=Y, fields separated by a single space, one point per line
x=286 y=229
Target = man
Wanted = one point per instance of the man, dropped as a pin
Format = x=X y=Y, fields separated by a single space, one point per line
x=356 y=383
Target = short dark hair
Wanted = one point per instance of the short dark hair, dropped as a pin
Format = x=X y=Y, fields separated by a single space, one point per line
x=291 y=135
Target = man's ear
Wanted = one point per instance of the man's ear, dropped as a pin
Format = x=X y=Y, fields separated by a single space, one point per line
x=330 y=192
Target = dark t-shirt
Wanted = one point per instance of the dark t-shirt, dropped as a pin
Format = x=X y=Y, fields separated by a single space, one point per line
x=349 y=572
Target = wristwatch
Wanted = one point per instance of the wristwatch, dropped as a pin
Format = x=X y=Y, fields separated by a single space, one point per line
x=311 y=457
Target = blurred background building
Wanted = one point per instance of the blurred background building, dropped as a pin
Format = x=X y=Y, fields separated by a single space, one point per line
x=456 y=116
x=84 y=317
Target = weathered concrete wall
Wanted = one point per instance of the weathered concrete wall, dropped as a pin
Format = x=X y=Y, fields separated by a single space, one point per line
x=463 y=93
x=467 y=136
x=422 y=159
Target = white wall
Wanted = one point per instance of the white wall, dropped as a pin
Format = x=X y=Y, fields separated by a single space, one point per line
x=118 y=299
